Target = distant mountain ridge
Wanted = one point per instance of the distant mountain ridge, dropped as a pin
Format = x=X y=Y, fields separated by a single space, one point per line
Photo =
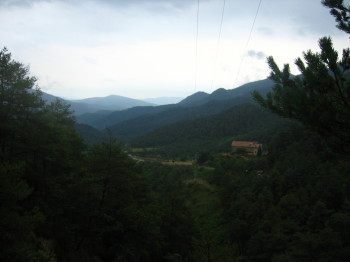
x=143 y=117
x=113 y=102
x=200 y=98
x=98 y=104
x=216 y=100
x=197 y=105
x=76 y=107
x=163 y=100
x=194 y=98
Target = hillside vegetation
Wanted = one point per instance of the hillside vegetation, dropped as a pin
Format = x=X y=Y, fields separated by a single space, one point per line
x=62 y=200
x=150 y=117
x=212 y=133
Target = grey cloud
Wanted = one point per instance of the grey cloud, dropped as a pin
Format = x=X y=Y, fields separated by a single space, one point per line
x=265 y=31
x=178 y=4
x=304 y=17
x=254 y=54
x=14 y=3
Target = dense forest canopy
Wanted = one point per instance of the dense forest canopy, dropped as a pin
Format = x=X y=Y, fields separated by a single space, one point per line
x=64 y=200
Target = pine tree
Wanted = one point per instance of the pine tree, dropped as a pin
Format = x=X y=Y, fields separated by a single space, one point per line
x=320 y=97
x=20 y=107
x=341 y=13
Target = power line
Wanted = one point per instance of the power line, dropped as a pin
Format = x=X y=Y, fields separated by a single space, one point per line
x=218 y=44
x=196 y=57
x=250 y=35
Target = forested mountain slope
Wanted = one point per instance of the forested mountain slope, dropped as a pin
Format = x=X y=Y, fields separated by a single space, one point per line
x=61 y=200
x=91 y=135
x=213 y=133
x=148 y=122
x=196 y=102
x=102 y=120
x=200 y=98
x=238 y=120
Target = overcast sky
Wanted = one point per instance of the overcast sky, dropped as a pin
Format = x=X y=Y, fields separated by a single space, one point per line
x=147 y=48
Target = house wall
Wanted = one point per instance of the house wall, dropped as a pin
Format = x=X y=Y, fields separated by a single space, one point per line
x=251 y=148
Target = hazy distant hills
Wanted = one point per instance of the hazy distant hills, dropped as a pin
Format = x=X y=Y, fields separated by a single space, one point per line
x=134 y=122
x=113 y=102
x=76 y=107
x=163 y=100
x=129 y=123
x=129 y=118
x=99 y=105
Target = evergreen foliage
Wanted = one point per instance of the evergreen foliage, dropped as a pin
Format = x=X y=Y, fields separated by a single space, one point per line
x=212 y=133
x=62 y=200
x=320 y=98
x=341 y=13
x=143 y=124
x=294 y=209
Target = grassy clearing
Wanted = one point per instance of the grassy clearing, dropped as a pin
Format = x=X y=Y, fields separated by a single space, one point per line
x=142 y=149
x=176 y=163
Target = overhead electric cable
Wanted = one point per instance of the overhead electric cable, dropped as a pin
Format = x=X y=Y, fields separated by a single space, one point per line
x=250 y=35
x=196 y=56
x=218 y=44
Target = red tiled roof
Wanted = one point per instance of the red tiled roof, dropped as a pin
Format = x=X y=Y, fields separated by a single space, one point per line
x=251 y=144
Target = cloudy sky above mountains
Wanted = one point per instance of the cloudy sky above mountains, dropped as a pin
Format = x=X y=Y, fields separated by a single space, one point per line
x=149 y=48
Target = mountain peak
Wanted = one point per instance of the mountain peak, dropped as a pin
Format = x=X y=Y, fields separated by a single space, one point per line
x=218 y=92
x=108 y=102
x=199 y=98
x=194 y=98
